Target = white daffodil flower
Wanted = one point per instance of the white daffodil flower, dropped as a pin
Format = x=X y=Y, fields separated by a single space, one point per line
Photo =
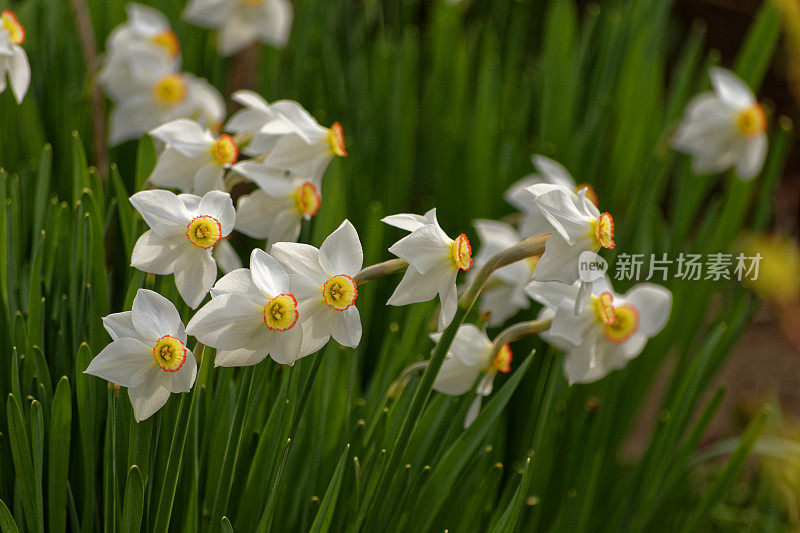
x=434 y=260
x=148 y=353
x=518 y=195
x=183 y=231
x=322 y=280
x=576 y=226
x=252 y=314
x=194 y=160
x=286 y=135
x=469 y=356
x=13 y=59
x=275 y=211
x=504 y=294
x=724 y=128
x=226 y=257
x=159 y=95
x=606 y=334
x=243 y=22
x=146 y=34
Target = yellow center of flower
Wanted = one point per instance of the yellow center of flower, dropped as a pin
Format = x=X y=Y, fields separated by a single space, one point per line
x=502 y=361
x=307 y=199
x=603 y=231
x=204 y=231
x=169 y=353
x=752 y=121
x=340 y=292
x=171 y=89
x=462 y=252
x=15 y=30
x=619 y=322
x=336 y=140
x=169 y=41
x=280 y=313
x=225 y=151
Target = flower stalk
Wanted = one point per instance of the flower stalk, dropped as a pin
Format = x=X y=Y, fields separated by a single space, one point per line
x=379 y=270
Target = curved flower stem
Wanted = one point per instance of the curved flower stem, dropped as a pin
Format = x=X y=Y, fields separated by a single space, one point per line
x=380 y=270
x=528 y=248
x=517 y=331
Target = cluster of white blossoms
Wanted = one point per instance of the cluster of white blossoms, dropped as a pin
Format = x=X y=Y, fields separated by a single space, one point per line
x=14 y=65
x=141 y=75
x=243 y=22
x=294 y=298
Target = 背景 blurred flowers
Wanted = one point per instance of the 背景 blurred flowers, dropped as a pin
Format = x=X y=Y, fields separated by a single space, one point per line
x=725 y=128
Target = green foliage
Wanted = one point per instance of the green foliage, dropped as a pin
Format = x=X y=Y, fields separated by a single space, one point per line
x=442 y=106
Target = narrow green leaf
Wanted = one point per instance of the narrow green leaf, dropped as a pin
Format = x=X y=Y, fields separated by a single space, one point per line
x=133 y=506
x=23 y=464
x=58 y=457
x=7 y=524
x=322 y=522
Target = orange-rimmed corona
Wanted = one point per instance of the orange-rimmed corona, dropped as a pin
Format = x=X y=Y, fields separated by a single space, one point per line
x=16 y=31
x=604 y=308
x=462 y=252
x=280 y=313
x=307 y=199
x=603 y=231
x=340 y=292
x=204 y=231
x=502 y=361
x=169 y=353
x=336 y=140
x=626 y=323
x=225 y=151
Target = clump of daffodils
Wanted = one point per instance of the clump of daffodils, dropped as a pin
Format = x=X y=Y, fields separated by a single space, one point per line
x=294 y=298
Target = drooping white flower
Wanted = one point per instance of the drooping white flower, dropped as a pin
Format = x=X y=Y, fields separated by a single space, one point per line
x=469 y=356
x=434 y=260
x=243 y=22
x=504 y=294
x=252 y=314
x=148 y=353
x=144 y=39
x=194 y=160
x=576 y=226
x=159 y=95
x=518 y=195
x=275 y=211
x=183 y=232
x=13 y=59
x=607 y=333
x=286 y=136
x=725 y=128
x=322 y=280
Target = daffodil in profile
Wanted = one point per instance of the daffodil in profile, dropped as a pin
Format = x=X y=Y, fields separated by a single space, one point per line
x=148 y=353
x=434 y=261
x=243 y=22
x=547 y=171
x=275 y=211
x=144 y=38
x=323 y=282
x=471 y=357
x=252 y=314
x=608 y=332
x=194 y=160
x=576 y=226
x=13 y=59
x=723 y=129
x=183 y=233
x=504 y=294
